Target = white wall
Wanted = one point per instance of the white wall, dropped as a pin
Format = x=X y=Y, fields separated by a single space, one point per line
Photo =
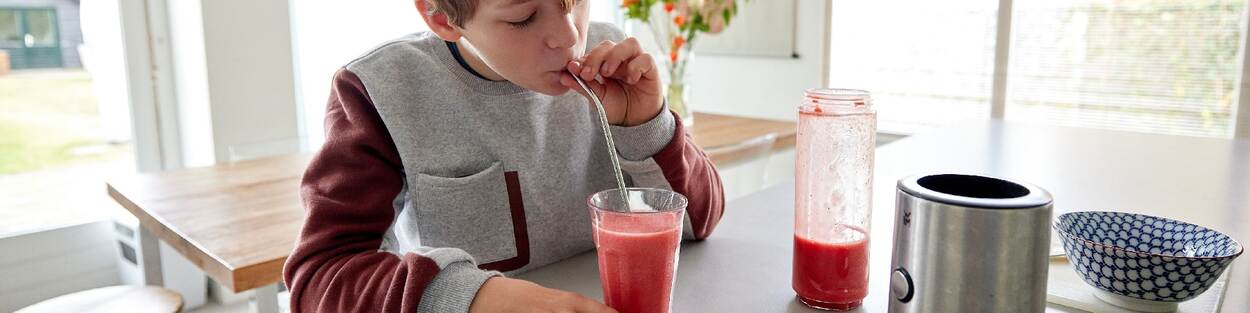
x=765 y=87
x=46 y=264
x=328 y=34
x=234 y=78
x=251 y=76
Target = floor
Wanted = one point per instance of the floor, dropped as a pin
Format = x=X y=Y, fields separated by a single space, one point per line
x=213 y=307
x=240 y=307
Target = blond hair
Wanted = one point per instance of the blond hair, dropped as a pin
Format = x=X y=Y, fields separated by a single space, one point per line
x=459 y=11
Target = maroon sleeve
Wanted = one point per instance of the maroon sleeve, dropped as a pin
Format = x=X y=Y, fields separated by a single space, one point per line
x=690 y=172
x=348 y=191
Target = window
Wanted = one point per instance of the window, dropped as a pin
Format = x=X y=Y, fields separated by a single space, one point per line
x=1160 y=66
x=1163 y=66
x=11 y=35
x=42 y=27
x=934 y=68
x=64 y=128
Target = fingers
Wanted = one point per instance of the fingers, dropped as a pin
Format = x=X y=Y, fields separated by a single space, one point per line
x=615 y=109
x=620 y=75
x=624 y=61
x=610 y=59
x=583 y=304
x=642 y=66
x=592 y=62
x=617 y=57
x=501 y=294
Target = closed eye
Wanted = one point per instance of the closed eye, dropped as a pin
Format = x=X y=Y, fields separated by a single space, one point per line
x=526 y=22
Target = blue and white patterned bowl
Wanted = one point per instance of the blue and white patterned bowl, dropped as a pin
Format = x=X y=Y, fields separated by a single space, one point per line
x=1144 y=258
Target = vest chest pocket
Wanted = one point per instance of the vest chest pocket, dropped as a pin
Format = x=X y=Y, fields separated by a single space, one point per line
x=482 y=213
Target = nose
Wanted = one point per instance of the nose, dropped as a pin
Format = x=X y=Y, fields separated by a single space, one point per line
x=564 y=35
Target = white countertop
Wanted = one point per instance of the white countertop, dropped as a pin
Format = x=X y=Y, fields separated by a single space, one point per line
x=745 y=265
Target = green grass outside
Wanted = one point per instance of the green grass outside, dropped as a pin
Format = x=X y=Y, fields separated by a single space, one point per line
x=45 y=117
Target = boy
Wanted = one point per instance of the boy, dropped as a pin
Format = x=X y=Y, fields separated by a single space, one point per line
x=459 y=153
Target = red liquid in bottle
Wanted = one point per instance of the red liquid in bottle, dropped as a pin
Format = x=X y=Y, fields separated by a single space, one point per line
x=831 y=275
x=833 y=197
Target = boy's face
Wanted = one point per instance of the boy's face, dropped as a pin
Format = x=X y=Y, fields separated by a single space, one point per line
x=528 y=42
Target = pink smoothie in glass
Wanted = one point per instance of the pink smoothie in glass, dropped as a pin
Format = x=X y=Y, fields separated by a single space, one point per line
x=637 y=259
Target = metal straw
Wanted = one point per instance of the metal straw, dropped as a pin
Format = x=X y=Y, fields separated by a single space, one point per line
x=607 y=136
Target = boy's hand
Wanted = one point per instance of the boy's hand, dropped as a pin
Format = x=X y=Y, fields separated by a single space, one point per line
x=630 y=88
x=502 y=294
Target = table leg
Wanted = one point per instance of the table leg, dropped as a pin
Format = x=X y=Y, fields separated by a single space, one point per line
x=266 y=299
x=150 y=258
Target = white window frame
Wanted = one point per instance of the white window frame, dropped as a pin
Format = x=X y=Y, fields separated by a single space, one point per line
x=1241 y=112
x=149 y=81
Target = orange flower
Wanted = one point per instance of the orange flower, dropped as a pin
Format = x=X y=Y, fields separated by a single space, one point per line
x=679 y=20
x=672 y=56
x=678 y=42
x=627 y=3
x=668 y=7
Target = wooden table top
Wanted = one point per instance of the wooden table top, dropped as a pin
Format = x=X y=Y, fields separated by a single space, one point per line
x=719 y=134
x=238 y=221
x=235 y=221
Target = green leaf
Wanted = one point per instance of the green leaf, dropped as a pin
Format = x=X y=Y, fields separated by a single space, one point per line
x=700 y=24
